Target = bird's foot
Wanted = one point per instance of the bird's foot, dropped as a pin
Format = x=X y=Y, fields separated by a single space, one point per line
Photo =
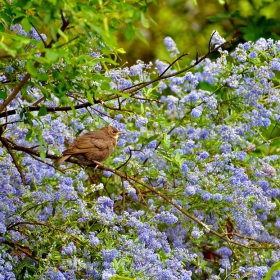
x=97 y=164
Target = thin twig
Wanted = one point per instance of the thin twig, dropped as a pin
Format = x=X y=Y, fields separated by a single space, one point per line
x=51 y=165
x=209 y=43
x=7 y=145
x=171 y=64
x=130 y=155
x=35 y=104
x=45 y=44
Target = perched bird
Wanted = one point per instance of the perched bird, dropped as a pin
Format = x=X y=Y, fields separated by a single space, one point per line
x=95 y=145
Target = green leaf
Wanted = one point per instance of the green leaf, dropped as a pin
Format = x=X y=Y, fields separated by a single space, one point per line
x=42 y=153
x=42 y=76
x=30 y=68
x=121 y=50
x=52 y=55
x=144 y=21
x=26 y=24
x=5 y=17
x=105 y=86
x=150 y=139
x=72 y=107
x=18 y=19
x=129 y=32
x=3 y=95
x=43 y=111
x=275 y=266
x=90 y=97
x=140 y=36
x=178 y=157
x=29 y=134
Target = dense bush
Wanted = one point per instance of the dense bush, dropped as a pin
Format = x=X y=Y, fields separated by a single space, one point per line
x=191 y=192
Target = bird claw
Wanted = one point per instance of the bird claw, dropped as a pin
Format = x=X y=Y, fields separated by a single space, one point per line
x=97 y=164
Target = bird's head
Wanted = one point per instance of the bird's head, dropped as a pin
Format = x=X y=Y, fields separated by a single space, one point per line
x=112 y=131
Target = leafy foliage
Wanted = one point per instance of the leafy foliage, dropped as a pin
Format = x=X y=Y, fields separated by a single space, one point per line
x=191 y=192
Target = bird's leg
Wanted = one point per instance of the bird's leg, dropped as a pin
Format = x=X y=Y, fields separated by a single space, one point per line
x=97 y=164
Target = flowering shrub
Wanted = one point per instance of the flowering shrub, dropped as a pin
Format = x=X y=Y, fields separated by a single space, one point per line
x=191 y=191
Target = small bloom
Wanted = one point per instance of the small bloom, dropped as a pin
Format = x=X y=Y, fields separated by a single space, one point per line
x=196 y=113
x=196 y=233
x=171 y=46
x=217 y=39
x=241 y=155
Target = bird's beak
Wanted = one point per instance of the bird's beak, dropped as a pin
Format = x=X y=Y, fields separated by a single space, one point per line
x=121 y=132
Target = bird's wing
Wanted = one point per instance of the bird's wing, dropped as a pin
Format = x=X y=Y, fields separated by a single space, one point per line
x=93 y=140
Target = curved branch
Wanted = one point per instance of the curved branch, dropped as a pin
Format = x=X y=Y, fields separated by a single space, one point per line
x=191 y=217
x=158 y=193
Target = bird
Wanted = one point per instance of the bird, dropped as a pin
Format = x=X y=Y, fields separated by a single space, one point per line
x=92 y=146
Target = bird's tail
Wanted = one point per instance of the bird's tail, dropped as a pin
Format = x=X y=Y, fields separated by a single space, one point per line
x=62 y=159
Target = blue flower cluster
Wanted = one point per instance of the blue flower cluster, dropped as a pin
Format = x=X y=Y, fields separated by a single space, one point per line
x=202 y=139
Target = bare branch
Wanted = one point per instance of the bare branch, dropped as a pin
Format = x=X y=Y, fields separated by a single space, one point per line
x=39 y=35
x=171 y=64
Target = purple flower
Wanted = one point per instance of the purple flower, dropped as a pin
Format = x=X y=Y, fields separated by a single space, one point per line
x=196 y=113
x=171 y=46
x=217 y=39
x=107 y=173
x=3 y=228
x=241 y=155
x=253 y=54
x=166 y=218
x=190 y=190
x=108 y=273
x=196 y=233
x=93 y=239
x=69 y=249
x=224 y=251
x=204 y=155
x=206 y=196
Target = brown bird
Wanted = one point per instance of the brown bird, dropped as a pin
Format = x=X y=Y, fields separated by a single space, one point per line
x=95 y=145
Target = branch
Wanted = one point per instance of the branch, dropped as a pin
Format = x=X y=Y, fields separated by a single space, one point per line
x=153 y=190
x=7 y=145
x=145 y=84
x=50 y=109
x=39 y=34
x=180 y=57
x=32 y=151
x=22 y=248
x=191 y=217
x=209 y=43
x=12 y=96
